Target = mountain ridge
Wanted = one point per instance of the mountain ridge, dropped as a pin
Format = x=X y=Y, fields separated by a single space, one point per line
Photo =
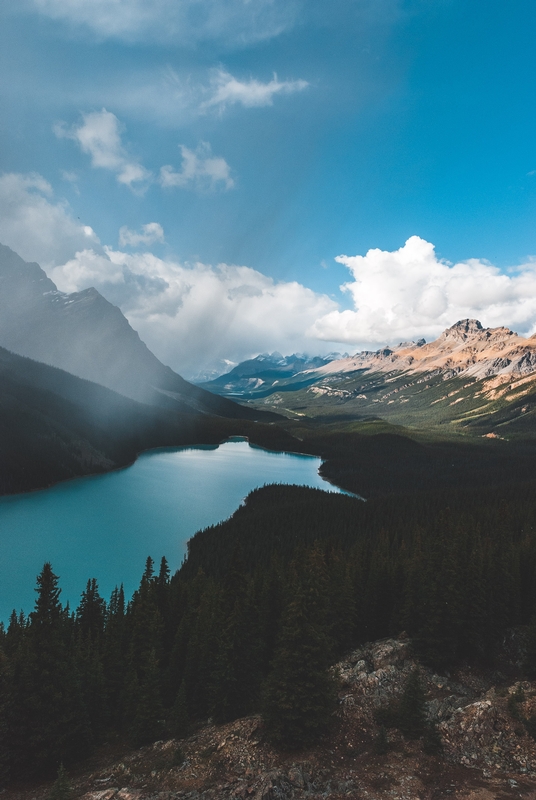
x=470 y=380
x=89 y=337
x=466 y=348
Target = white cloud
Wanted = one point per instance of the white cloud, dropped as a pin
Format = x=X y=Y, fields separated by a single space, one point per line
x=186 y=22
x=228 y=90
x=37 y=226
x=199 y=169
x=87 y=268
x=150 y=233
x=177 y=97
x=410 y=293
x=99 y=136
x=191 y=316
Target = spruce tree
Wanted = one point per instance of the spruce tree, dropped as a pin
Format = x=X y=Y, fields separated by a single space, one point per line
x=51 y=724
x=61 y=788
x=179 y=718
x=114 y=656
x=299 y=696
x=7 y=712
x=146 y=724
x=412 y=710
x=91 y=612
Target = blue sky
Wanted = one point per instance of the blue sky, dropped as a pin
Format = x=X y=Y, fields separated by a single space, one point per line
x=271 y=137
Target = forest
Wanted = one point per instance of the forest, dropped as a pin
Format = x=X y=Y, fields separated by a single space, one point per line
x=263 y=605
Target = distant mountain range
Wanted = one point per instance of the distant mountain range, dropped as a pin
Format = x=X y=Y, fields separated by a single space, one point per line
x=87 y=336
x=262 y=373
x=471 y=378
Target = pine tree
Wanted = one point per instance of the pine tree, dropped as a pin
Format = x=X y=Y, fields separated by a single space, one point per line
x=180 y=720
x=236 y=676
x=114 y=658
x=61 y=788
x=91 y=613
x=7 y=711
x=51 y=723
x=299 y=696
x=412 y=710
x=147 y=719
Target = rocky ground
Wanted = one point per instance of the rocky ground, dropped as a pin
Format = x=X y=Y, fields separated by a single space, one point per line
x=487 y=752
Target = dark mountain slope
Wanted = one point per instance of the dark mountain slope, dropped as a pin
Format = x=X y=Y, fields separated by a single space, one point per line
x=55 y=426
x=88 y=336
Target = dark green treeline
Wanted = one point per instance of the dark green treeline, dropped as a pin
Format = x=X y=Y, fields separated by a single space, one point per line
x=264 y=603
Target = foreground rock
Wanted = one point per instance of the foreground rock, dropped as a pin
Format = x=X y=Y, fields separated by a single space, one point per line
x=487 y=752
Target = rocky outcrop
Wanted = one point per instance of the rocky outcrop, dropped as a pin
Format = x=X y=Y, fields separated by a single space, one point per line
x=487 y=752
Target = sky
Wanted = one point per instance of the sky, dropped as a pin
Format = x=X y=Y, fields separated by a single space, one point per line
x=243 y=176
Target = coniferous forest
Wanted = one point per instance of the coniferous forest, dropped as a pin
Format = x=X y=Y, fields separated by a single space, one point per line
x=262 y=606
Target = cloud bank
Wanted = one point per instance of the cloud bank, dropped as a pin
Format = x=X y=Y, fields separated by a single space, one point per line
x=193 y=315
x=234 y=23
x=190 y=315
x=410 y=293
x=36 y=225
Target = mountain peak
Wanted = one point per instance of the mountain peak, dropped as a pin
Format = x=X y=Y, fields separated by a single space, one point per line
x=464 y=329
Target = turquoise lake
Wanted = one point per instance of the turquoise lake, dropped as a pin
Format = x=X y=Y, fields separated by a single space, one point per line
x=105 y=526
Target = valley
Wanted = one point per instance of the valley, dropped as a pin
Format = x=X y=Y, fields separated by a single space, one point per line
x=274 y=663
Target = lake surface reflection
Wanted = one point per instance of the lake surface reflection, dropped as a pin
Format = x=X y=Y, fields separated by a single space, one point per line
x=105 y=526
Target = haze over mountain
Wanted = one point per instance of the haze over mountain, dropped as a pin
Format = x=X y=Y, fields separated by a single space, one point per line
x=86 y=335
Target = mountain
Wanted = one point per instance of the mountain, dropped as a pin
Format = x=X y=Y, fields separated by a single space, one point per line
x=86 y=335
x=55 y=426
x=471 y=379
x=264 y=372
x=465 y=349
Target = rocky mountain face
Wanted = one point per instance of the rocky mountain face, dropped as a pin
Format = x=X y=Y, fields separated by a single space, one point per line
x=466 y=350
x=86 y=335
x=471 y=379
x=485 y=749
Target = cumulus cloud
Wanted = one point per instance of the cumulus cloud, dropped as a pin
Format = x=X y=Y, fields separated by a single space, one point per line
x=199 y=169
x=99 y=136
x=410 y=293
x=186 y=22
x=194 y=315
x=38 y=226
x=227 y=90
x=150 y=233
x=87 y=268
